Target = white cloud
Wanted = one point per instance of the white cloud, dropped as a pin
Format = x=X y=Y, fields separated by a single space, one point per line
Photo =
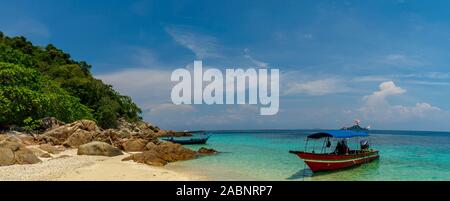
x=419 y=110
x=317 y=87
x=142 y=56
x=377 y=107
x=140 y=83
x=256 y=62
x=402 y=60
x=429 y=83
x=370 y=78
x=386 y=89
x=202 y=46
x=169 y=107
x=425 y=78
x=229 y=115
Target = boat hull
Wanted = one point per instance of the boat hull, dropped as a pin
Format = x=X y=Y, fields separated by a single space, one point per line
x=187 y=141
x=329 y=162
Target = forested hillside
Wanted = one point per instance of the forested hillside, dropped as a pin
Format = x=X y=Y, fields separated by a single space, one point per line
x=38 y=82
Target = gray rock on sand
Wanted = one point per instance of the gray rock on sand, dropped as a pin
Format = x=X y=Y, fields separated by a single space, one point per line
x=78 y=138
x=44 y=139
x=25 y=156
x=62 y=133
x=162 y=153
x=134 y=145
x=147 y=157
x=48 y=123
x=12 y=152
x=49 y=148
x=170 y=151
x=39 y=153
x=6 y=156
x=98 y=149
x=204 y=150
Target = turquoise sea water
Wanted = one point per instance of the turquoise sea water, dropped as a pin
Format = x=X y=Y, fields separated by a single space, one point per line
x=263 y=155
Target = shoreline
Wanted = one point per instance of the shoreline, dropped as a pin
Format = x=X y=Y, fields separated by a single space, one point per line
x=68 y=166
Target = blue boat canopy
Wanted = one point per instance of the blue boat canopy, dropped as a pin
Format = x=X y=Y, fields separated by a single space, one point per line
x=339 y=134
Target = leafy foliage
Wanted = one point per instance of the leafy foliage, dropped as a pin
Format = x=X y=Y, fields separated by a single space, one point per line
x=37 y=82
x=26 y=96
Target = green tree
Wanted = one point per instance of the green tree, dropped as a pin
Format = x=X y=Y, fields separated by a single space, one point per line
x=65 y=77
x=26 y=96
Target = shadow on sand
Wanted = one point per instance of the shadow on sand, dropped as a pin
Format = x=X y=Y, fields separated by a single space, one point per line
x=301 y=174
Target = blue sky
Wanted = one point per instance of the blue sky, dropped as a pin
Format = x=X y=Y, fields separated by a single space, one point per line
x=384 y=62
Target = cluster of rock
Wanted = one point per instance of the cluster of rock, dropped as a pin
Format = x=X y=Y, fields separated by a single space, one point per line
x=13 y=151
x=89 y=139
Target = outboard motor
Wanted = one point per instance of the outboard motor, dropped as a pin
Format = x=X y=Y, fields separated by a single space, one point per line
x=364 y=144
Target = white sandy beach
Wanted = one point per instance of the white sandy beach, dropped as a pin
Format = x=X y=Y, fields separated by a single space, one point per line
x=68 y=166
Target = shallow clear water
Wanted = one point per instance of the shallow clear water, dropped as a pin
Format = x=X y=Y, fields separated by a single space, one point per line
x=263 y=155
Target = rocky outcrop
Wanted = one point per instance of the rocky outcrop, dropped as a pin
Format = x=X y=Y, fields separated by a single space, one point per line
x=25 y=156
x=80 y=127
x=98 y=149
x=13 y=152
x=171 y=133
x=49 y=123
x=45 y=139
x=207 y=151
x=78 y=138
x=39 y=153
x=49 y=148
x=91 y=140
x=162 y=153
x=134 y=145
x=6 y=156
x=171 y=152
x=147 y=157
x=139 y=126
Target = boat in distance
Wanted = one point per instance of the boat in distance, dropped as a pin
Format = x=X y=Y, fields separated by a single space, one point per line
x=188 y=140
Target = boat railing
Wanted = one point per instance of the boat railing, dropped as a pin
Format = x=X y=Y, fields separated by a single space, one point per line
x=329 y=146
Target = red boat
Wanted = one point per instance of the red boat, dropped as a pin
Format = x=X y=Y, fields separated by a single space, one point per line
x=340 y=156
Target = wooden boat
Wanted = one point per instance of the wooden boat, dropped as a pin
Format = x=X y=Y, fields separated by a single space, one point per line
x=188 y=140
x=342 y=156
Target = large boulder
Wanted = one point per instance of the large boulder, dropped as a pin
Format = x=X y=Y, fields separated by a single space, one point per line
x=62 y=133
x=98 y=149
x=27 y=139
x=171 y=133
x=13 y=146
x=87 y=125
x=207 y=151
x=6 y=156
x=25 y=156
x=49 y=148
x=11 y=137
x=161 y=153
x=137 y=127
x=45 y=139
x=111 y=136
x=39 y=153
x=147 y=157
x=13 y=152
x=78 y=138
x=171 y=151
x=48 y=123
x=144 y=126
x=134 y=145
